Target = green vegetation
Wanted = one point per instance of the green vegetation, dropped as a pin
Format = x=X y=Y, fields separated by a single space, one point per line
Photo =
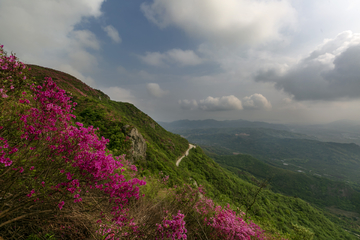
x=320 y=191
x=273 y=211
x=334 y=197
x=337 y=161
x=283 y=216
x=95 y=108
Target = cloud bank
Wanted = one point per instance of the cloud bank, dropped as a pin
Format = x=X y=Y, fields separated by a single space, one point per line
x=155 y=90
x=225 y=103
x=256 y=101
x=51 y=39
x=175 y=56
x=331 y=72
x=230 y=21
x=188 y=104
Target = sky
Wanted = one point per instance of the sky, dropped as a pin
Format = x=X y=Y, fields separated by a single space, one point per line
x=279 y=61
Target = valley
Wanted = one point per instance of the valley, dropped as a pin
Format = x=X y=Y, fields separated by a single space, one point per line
x=276 y=209
x=179 y=120
x=283 y=149
x=324 y=174
x=292 y=205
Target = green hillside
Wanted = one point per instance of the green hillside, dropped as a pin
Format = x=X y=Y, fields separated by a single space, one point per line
x=287 y=150
x=270 y=209
x=95 y=108
x=281 y=216
x=273 y=211
x=319 y=191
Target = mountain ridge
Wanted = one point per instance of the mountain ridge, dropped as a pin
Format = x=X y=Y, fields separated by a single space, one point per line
x=163 y=152
x=211 y=123
x=279 y=215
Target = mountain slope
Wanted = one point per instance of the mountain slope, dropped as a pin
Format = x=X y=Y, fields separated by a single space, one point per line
x=271 y=210
x=292 y=151
x=316 y=190
x=95 y=108
x=275 y=212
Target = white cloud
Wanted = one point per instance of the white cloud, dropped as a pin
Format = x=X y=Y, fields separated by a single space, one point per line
x=155 y=90
x=256 y=101
x=112 y=33
x=119 y=94
x=225 y=103
x=220 y=103
x=230 y=21
x=187 y=57
x=188 y=104
x=153 y=59
x=175 y=56
x=42 y=32
x=330 y=72
x=85 y=38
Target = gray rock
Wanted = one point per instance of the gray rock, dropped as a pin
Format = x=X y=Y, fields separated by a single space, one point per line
x=138 y=144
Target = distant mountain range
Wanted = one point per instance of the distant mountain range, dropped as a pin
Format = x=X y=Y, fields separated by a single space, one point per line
x=169 y=186
x=326 y=150
x=342 y=131
x=211 y=123
x=282 y=215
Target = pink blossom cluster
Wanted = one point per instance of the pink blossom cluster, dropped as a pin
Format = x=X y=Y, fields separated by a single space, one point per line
x=10 y=68
x=49 y=113
x=10 y=63
x=225 y=223
x=78 y=146
x=204 y=206
x=218 y=222
x=6 y=151
x=49 y=138
x=228 y=225
x=46 y=140
x=172 y=227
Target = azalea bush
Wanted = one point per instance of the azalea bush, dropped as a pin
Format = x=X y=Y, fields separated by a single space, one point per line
x=58 y=179
x=48 y=162
x=184 y=212
x=172 y=227
x=224 y=223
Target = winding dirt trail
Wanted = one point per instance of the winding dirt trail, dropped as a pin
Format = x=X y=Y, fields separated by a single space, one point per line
x=186 y=153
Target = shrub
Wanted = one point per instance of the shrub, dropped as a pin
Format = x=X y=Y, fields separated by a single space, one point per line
x=47 y=162
x=58 y=179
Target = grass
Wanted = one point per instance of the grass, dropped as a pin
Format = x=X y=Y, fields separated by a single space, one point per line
x=278 y=214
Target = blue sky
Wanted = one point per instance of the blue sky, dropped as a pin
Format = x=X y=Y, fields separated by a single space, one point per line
x=284 y=61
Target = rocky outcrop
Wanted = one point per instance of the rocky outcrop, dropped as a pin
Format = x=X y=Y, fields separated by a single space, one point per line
x=138 y=144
